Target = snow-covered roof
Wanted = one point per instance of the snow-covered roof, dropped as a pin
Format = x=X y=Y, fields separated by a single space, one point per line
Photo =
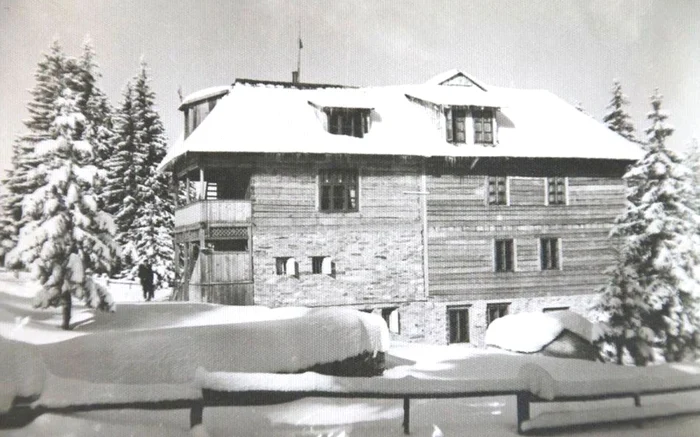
x=531 y=124
x=205 y=94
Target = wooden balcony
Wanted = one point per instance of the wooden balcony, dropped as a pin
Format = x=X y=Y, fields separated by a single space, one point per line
x=213 y=211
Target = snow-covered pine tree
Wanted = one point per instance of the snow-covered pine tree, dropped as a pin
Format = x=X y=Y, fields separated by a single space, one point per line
x=66 y=238
x=50 y=71
x=139 y=194
x=617 y=118
x=692 y=159
x=660 y=256
x=93 y=103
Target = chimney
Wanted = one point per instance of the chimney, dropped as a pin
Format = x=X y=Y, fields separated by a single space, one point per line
x=295 y=76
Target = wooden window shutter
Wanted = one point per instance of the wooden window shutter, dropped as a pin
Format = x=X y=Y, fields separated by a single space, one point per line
x=448 y=125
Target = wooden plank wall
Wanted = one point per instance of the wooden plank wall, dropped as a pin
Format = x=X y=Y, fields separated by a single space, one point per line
x=229 y=266
x=286 y=194
x=462 y=229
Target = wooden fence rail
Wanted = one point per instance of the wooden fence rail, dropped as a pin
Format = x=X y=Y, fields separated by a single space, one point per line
x=24 y=411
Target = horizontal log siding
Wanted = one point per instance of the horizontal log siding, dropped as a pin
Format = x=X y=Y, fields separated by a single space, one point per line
x=462 y=230
x=377 y=250
x=527 y=191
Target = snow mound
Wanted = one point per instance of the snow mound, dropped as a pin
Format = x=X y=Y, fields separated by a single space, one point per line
x=272 y=340
x=22 y=372
x=531 y=332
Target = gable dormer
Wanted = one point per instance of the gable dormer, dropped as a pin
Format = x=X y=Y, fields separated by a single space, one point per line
x=455 y=78
x=197 y=106
x=466 y=110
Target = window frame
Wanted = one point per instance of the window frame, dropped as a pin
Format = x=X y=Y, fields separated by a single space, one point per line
x=493 y=197
x=508 y=243
x=460 y=336
x=557 y=197
x=386 y=314
x=479 y=118
x=499 y=306
x=351 y=122
x=545 y=252
x=347 y=184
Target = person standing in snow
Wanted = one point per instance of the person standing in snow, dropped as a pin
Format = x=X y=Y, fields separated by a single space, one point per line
x=146 y=278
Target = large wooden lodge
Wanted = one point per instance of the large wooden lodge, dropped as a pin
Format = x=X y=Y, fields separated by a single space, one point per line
x=441 y=205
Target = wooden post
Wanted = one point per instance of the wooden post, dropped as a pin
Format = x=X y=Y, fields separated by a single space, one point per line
x=637 y=401
x=196 y=414
x=406 y=415
x=523 y=409
x=202 y=194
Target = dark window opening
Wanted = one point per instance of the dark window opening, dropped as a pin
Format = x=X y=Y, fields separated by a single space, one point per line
x=286 y=265
x=554 y=309
x=483 y=126
x=234 y=245
x=556 y=191
x=338 y=190
x=392 y=319
x=352 y=122
x=498 y=190
x=549 y=253
x=322 y=265
x=504 y=255
x=459 y=325
x=495 y=311
x=455 y=125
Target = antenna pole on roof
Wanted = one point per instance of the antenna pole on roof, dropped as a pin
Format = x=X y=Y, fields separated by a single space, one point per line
x=296 y=76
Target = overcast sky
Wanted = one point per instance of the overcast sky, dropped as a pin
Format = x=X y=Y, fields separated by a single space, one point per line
x=573 y=48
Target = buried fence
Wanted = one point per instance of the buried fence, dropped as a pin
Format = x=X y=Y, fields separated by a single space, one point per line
x=220 y=389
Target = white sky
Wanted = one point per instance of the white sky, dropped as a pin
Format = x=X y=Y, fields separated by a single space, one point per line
x=573 y=48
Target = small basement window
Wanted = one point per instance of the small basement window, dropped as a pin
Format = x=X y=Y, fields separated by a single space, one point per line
x=554 y=309
x=391 y=317
x=322 y=265
x=286 y=265
x=458 y=319
x=496 y=311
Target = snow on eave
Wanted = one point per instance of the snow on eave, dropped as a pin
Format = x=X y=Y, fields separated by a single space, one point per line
x=204 y=94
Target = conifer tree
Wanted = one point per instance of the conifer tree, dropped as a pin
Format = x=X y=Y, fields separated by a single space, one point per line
x=139 y=194
x=617 y=118
x=49 y=76
x=66 y=238
x=655 y=283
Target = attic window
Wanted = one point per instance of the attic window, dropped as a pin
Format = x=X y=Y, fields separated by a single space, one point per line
x=353 y=122
x=483 y=126
x=455 y=122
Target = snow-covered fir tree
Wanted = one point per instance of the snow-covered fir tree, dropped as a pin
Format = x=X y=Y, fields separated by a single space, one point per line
x=616 y=117
x=93 y=103
x=55 y=73
x=49 y=85
x=655 y=289
x=692 y=159
x=138 y=194
x=66 y=238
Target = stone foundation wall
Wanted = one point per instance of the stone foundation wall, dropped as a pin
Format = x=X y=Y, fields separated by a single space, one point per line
x=374 y=267
x=428 y=322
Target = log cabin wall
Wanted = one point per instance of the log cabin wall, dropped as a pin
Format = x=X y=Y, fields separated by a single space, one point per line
x=376 y=251
x=463 y=227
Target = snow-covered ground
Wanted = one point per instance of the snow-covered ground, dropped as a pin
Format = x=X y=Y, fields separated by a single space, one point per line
x=129 y=341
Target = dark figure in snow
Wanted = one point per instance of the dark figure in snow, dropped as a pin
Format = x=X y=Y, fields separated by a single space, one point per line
x=146 y=278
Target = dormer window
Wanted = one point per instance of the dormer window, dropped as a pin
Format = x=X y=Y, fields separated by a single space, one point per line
x=461 y=120
x=483 y=126
x=353 y=122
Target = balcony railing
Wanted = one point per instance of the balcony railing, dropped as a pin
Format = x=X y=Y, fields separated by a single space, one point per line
x=211 y=211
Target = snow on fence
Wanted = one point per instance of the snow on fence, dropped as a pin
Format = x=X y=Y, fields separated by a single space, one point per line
x=532 y=383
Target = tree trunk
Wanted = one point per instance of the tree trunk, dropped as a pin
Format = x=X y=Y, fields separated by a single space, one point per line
x=620 y=352
x=66 y=303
